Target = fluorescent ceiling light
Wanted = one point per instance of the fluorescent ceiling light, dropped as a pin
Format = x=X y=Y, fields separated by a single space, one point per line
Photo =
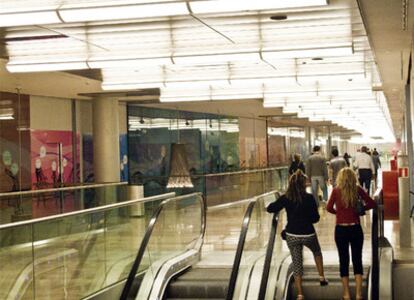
x=29 y=18
x=185 y=99
x=20 y=68
x=219 y=6
x=315 y=52
x=202 y=59
x=119 y=63
x=103 y=13
x=85 y=12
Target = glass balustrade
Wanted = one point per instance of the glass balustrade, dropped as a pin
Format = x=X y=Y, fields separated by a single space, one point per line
x=73 y=255
x=250 y=256
x=177 y=228
x=28 y=205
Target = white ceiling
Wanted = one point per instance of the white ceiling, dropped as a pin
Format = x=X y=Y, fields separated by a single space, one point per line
x=384 y=21
x=235 y=54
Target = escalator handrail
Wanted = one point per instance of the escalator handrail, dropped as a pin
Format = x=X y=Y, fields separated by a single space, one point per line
x=147 y=236
x=268 y=258
x=85 y=211
x=240 y=245
x=376 y=231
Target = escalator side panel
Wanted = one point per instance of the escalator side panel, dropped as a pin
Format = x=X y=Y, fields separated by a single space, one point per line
x=157 y=277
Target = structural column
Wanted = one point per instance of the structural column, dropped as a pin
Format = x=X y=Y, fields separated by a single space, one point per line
x=329 y=144
x=105 y=120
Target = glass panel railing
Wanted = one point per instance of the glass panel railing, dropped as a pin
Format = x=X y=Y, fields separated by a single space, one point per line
x=176 y=228
x=16 y=259
x=27 y=205
x=73 y=255
x=277 y=252
x=223 y=188
x=251 y=251
x=230 y=187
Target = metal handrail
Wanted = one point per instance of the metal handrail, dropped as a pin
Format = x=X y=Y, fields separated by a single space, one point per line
x=269 y=255
x=62 y=189
x=241 y=172
x=245 y=171
x=89 y=210
x=143 y=247
x=377 y=231
x=268 y=258
x=240 y=245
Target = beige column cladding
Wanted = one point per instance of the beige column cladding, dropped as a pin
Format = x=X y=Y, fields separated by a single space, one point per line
x=105 y=120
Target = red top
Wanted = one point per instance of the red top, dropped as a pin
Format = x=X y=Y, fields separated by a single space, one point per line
x=347 y=215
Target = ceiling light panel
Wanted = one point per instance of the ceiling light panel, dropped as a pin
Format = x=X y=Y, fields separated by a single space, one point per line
x=318 y=57
x=186 y=40
x=15 y=13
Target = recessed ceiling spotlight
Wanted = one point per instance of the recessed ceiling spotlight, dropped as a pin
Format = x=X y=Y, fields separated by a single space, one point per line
x=317 y=58
x=278 y=17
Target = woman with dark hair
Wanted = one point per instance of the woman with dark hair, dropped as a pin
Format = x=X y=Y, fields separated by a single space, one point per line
x=347 y=157
x=296 y=164
x=348 y=231
x=302 y=213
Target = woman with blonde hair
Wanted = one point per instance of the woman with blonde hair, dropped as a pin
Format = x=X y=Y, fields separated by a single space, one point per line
x=348 y=231
x=301 y=214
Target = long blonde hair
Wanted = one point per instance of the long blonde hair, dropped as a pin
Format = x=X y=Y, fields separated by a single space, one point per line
x=297 y=186
x=348 y=185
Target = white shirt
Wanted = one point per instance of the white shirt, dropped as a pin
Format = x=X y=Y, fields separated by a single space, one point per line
x=364 y=161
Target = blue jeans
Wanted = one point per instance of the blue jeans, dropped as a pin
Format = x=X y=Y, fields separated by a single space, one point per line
x=319 y=181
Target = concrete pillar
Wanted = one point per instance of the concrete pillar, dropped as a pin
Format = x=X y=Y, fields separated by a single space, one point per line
x=105 y=120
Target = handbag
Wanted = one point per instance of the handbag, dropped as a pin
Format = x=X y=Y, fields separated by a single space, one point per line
x=360 y=207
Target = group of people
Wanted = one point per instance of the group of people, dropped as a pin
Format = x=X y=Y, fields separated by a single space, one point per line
x=365 y=162
x=302 y=213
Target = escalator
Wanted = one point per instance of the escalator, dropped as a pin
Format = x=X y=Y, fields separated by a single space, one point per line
x=259 y=271
x=181 y=274
x=313 y=291
x=377 y=279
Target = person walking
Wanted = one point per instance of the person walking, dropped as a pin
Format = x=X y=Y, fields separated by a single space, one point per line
x=348 y=231
x=302 y=213
x=365 y=166
x=336 y=164
x=317 y=172
x=377 y=163
x=297 y=163
x=347 y=157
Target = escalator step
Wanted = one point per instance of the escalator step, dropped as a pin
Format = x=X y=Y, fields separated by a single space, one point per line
x=201 y=289
x=194 y=298
x=313 y=291
x=200 y=283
